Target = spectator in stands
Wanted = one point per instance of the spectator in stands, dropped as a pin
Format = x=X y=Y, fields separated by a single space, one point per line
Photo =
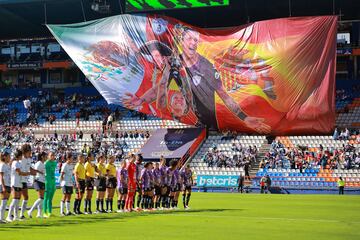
x=262 y=164
x=236 y=158
x=28 y=117
x=226 y=135
x=136 y=134
x=341 y=185
x=52 y=119
x=347 y=161
x=345 y=134
x=110 y=121
x=77 y=115
x=73 y=100
x=336 y=134
x=104 y=123
x=27 y=104
x=85 y=149
x=147 y=134
x=81 y=134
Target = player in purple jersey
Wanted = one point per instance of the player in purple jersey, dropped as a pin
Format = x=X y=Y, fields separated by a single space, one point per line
x=152 y=185
x=187 y=177
x=157 y=183
x=172 y=181
x=122 y=180
x=138 y=163
x=145 y=185
x=164 y=182
x=178 y=184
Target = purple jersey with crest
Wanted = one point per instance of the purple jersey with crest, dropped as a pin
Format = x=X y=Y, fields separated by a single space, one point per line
x=178 y=176
x=152 y=178
x=145 y=178
x=157 y=176
x=122 y=177
x=163 y=173
x=138 y=171
x=187 y=177
x=169 y=176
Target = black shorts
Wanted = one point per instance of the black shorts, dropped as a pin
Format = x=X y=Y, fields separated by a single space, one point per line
x=138 y=188
x=90 y=184
x=39 y=185
x=81 y=188
x=101 y=187
x=24 y=185
x=187 y=188
x=123 y=191
x=17 y=189
x=157 y=190
x=175 y=188
x=111 y=182
x=7 y=189
x=67 y=190
x=168 y=190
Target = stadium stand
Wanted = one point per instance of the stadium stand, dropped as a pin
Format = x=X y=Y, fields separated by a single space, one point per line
x=221 y=155
x=311 y=162
x=153 y=124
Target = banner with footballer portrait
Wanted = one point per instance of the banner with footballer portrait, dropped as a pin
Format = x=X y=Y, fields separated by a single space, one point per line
x=270 y=77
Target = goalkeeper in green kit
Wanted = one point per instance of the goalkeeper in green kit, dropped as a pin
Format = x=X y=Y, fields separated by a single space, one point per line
x=50 y=186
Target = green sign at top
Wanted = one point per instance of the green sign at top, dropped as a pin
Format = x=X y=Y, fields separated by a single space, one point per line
x=149 y=5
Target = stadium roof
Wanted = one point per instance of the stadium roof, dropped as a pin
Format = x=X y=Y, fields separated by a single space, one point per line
x=26 y=18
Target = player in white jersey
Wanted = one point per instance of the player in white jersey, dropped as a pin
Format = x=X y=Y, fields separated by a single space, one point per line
x=5 y=188
x=39 y=184
x=66 y=181
x=25 y=167
x=16 y=186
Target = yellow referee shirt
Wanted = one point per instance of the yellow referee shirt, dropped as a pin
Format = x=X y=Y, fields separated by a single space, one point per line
x=341 y=183
x=101 y=168
x=90 y=170
x=80 y=170
x=112 y=169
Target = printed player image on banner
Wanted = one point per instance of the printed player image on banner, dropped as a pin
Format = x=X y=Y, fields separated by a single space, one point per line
x=271 y=77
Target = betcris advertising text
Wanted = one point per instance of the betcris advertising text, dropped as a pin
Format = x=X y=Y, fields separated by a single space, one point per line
x=216 y=181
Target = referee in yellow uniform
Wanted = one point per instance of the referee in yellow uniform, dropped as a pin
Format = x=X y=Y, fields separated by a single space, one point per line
x=79 y=174
x=101 y=183
x=110 y=183
x=89 y=182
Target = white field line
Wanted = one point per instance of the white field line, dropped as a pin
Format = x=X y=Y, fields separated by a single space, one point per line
x=260 y=218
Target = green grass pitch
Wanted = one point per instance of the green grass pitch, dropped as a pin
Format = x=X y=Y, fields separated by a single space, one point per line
x=212 y=216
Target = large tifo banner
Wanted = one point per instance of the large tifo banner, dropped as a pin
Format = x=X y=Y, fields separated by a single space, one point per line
x=274 y=76
x=171 y=143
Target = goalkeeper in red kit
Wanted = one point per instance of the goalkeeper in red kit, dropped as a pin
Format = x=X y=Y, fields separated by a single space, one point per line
x=131 y=168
